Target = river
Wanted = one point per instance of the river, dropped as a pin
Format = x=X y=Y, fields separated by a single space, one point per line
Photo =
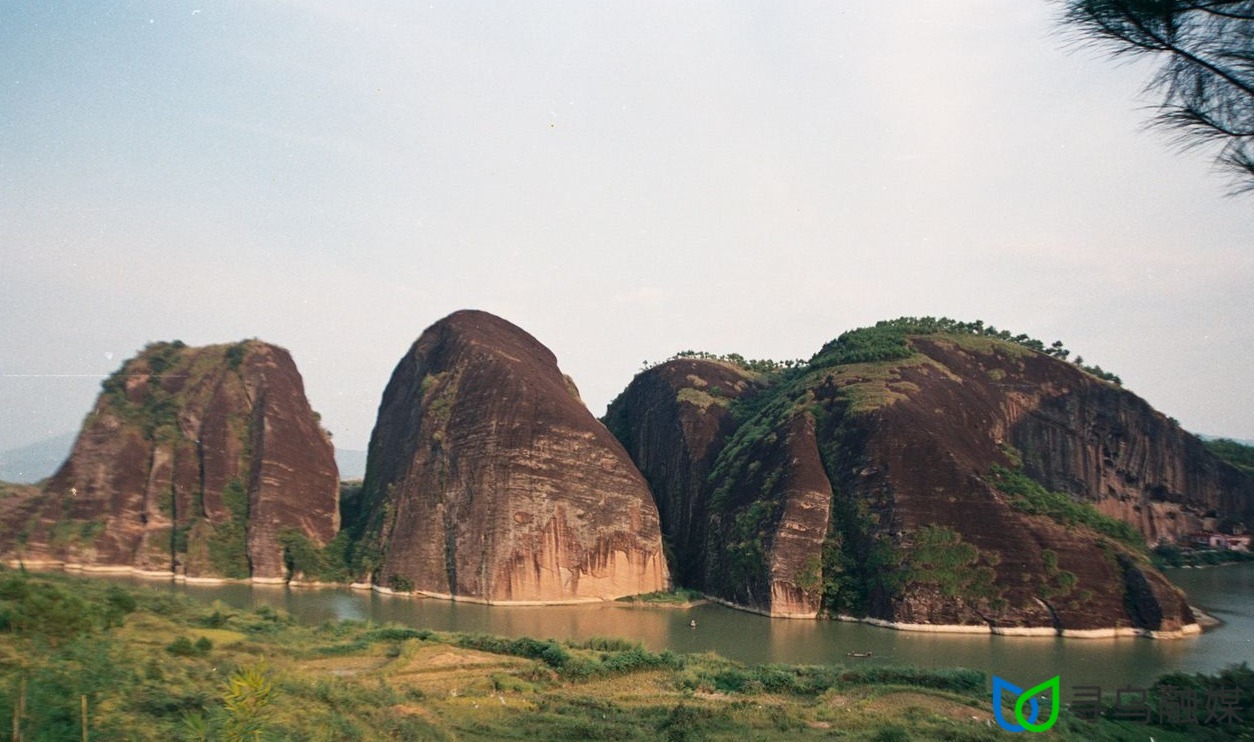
x=1224 y=592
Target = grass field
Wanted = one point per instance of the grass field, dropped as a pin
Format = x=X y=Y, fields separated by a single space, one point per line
x=150 y=665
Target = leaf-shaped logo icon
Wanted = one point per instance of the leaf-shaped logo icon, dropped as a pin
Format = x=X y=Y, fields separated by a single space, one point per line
x=1050 y=686
x=1002 y=687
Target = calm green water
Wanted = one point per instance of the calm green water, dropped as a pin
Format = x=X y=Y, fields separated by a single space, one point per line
x=1225 y=592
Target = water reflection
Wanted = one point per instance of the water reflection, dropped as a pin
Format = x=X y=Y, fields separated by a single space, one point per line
x=1227 y=593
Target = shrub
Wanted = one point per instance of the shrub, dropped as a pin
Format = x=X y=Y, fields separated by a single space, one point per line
x=685 y=723
x=1027 y=495
x=227 y=541
x=605 y=644
x=547 y=651
x=247 y=698
x=326 y=563
x=938 y=556
x=185 y=647
x=396 y=634
x=400 y=584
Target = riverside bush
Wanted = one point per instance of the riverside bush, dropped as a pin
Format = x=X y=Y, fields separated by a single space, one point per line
x=135 y=689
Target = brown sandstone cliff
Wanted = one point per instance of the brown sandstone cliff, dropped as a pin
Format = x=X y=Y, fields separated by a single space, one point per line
x=192 y=461
x=1078 y=434
x=946 y=419
x=674 y=419
x=488 y=478
x=887 y=489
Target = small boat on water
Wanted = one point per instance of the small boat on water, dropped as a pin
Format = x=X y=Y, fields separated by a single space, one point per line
x=859 y=654
x=693 y=623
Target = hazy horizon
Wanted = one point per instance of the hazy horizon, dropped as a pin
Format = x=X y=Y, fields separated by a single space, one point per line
x=621 y=182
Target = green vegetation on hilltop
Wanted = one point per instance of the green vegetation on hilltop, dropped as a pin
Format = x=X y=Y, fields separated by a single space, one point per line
x=703 y=399
x=156 y=413
x=1237 y=454
x=886 y=341
x=764 y=366
x=861 y=565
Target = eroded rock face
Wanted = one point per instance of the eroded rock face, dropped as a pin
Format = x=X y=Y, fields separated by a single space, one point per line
x=673 y=419
x=1077 y=434
x=1135 y=464
x=769 y=511
x=873 y=489
x=488 y=478
x=942 y=423
x=194 y=460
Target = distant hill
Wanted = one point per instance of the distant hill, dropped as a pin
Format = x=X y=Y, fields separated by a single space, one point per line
x=1240 y=455
x=352 y=464
x=1242 y=441
x=31 y=463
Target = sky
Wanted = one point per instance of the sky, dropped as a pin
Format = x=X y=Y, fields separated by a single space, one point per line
x=621 y=180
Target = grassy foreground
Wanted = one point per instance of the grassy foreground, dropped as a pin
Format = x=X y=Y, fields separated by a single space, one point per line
x=145 y=664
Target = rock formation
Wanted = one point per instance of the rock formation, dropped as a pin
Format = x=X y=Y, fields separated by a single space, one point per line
x=197 y=461
x=488 y=479
x=898 y=477
x=675 y=418
x=920 y=472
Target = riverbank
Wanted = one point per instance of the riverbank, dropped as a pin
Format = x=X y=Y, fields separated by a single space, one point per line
x=673 y=599
x=1119 y=632
x=682 y=598
x=1205 y=620
x=163 y=667
x=1172 y=557
x=147 y=664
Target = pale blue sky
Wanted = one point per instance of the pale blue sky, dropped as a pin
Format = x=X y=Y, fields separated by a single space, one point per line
x=622 y=181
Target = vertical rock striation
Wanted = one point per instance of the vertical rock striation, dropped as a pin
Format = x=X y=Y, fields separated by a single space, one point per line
x=674 y=419
x=193 y=461
x=930 y=445
x=488 y=479
x=898 y=477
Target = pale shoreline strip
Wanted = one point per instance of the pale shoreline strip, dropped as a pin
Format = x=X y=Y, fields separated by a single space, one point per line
x=482 y=601
x=1114 y=632
x=1187 y=630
